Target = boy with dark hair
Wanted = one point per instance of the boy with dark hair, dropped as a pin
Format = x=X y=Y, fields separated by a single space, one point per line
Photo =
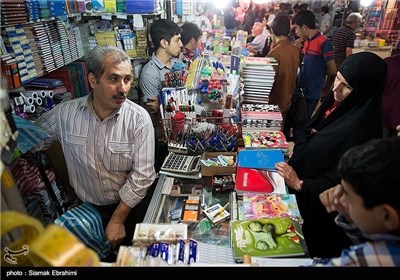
x=191 y=34
x=368 y=200
x=288 y=58
x=166 y=37
x=318 y=68
x=163 y=29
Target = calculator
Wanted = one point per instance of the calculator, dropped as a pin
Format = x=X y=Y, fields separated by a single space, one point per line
x=181 y=163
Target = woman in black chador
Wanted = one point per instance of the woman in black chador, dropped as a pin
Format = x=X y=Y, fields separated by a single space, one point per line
x=349 y=116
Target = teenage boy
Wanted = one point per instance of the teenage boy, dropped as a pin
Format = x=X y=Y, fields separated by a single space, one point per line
x=318 y=69
x=166 y=37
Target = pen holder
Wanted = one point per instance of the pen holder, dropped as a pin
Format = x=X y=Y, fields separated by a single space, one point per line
x=178 y=124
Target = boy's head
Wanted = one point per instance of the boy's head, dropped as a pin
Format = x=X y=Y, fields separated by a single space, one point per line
x=280 y=26
x=325 y=10
x=191 y=34
x=166 y=34
x=304 y=6
x=305 y=18
x=371 y=182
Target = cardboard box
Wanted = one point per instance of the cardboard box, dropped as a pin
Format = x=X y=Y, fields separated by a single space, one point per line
x=218 y=170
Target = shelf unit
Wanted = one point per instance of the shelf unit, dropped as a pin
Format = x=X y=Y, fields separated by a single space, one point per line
x=382 y=21
x=75 y=18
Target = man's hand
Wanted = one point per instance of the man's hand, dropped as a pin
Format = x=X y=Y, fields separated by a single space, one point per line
x=115 y=230
x=115 y=233
x=250 y=48
x=153 y=104
x=299 y=43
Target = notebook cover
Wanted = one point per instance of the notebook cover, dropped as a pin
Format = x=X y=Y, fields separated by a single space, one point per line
x=252 y=180
x=269 y=205
x=260 y=159
x=274 y=237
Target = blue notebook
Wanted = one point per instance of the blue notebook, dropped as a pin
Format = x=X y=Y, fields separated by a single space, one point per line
x=260 y=159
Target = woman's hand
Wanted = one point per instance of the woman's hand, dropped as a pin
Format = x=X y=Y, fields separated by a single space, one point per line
x=289 y=175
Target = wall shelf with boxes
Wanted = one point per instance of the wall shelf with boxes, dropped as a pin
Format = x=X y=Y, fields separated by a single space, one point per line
x=42 y=36
x=382 y=22
x=31 y=50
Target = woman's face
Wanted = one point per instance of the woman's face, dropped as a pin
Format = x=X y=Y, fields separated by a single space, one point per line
x=341 y=89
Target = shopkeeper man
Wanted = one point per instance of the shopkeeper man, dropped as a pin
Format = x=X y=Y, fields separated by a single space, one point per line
x=108 y=144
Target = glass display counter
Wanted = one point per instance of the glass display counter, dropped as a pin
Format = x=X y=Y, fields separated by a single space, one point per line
x=166 y=206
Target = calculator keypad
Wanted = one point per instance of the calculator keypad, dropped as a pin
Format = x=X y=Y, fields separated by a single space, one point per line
x=180 y=163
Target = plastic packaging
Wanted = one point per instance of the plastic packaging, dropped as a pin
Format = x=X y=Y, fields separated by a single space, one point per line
x=85 y=222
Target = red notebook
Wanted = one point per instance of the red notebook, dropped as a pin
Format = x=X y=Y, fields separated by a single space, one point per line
x=252 y=180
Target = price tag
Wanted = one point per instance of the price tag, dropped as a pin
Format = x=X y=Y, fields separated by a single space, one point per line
x=106 y=16
x=167 y=187
x=122 y=16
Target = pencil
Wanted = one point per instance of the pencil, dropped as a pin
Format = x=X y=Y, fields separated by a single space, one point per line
x=220 y=211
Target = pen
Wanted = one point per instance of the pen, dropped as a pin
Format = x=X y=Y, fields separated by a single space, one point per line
x=220 y=211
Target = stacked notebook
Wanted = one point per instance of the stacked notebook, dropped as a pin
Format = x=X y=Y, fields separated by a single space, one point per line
x=258 y=76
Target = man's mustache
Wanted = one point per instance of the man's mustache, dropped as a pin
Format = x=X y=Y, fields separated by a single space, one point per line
x=121 y=94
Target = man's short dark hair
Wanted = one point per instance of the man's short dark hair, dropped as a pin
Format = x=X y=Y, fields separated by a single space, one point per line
x=163 y=29
x=304 y=6
x=305 y=17
x=190 y=30
x=280 y=25
x=325 y=9
x=372 y=170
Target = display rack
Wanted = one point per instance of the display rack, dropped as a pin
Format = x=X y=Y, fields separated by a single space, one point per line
x=381 y=21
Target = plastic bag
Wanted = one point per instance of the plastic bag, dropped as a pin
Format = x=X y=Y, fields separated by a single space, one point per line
x=85 y=222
